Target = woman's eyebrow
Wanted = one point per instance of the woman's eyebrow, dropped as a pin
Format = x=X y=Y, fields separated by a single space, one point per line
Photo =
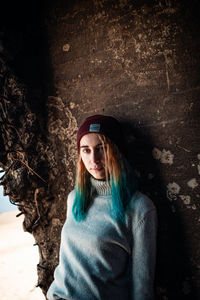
x=86 y=146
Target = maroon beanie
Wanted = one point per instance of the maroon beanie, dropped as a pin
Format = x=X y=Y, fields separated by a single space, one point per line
x=105 y=125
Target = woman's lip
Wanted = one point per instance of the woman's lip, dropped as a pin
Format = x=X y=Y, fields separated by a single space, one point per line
x=97 y=169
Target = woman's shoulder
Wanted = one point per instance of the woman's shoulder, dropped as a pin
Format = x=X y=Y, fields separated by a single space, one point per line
x=140 y=205
x=71 y=195
x=70 y=201
x=142 y=201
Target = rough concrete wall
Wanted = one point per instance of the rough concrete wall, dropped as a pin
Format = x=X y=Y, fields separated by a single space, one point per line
x=138 y=61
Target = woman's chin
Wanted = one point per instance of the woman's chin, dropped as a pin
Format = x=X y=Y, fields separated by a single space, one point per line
x=98 y=174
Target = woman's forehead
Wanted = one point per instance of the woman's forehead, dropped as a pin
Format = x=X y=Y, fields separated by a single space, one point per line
x=90 y=139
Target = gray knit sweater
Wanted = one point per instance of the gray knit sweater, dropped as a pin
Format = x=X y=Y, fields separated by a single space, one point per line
x=102 y=259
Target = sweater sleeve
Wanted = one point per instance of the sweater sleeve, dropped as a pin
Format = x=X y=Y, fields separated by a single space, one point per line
x=57 y=289
x=144 y=257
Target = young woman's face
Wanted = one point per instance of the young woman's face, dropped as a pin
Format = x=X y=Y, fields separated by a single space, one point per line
x=92 y=155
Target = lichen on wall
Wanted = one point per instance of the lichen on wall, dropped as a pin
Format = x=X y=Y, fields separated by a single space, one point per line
x=62 y=128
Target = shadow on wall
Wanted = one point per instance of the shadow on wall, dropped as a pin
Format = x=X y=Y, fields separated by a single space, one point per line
x=24 y=49
x=173 y=261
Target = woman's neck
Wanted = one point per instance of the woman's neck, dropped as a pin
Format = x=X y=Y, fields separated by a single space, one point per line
x=101 y=187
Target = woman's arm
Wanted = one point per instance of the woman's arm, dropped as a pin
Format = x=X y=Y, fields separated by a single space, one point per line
x=144 y=257
x=57 y=289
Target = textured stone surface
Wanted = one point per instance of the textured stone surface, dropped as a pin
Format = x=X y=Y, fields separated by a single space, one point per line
x=135 y=60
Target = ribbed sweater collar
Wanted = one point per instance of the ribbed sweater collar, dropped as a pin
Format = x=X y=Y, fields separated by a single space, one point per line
x=101 y=187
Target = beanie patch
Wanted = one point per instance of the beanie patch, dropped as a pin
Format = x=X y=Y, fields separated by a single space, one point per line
x=94 y=128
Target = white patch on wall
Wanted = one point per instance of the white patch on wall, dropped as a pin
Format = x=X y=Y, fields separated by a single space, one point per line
x=66 y=47
x=96 y=61
x=156 y=153
x=72 y=105
x=186 y=199
x=198 y=166
x=173 y=209
x=192 y=183
x=56 y=222
x=151 y=176
x=164 y=156
x=173 y=190
x=194 y=206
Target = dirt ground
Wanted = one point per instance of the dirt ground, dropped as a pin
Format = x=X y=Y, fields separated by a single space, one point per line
x=18 y=261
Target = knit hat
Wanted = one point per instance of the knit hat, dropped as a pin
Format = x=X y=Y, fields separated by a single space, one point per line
x=105 y=125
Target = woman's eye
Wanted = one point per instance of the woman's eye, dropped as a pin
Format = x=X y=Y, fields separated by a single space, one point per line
x=86 y=150
x=100 y=148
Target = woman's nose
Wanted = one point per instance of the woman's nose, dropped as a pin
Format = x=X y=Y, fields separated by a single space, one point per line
x=94 y=156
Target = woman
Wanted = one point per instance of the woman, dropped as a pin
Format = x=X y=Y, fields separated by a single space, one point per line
x=108 y=242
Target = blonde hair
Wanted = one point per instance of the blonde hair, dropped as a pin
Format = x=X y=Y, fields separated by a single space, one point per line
x=113 y=157
x=118 y=175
